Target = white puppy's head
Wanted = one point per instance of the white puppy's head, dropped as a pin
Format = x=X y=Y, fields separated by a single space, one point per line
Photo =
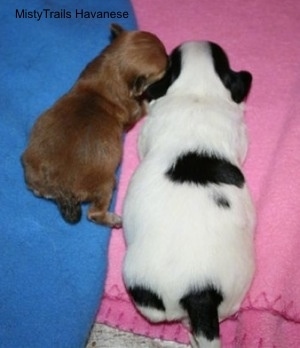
x=202 y=68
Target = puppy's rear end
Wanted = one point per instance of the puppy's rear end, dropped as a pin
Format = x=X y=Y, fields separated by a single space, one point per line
x=201 y=307
x=70 y=157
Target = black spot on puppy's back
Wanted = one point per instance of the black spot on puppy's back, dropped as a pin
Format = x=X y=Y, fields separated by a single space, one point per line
x=146 y=298
x=203 y=169
x=221 y=201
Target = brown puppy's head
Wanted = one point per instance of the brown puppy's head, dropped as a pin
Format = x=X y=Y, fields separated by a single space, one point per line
x=139 y=56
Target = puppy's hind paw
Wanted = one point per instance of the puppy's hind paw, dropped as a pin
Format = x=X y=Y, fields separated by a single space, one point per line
x=193 y=342
x=110 y=219
x=116 y=220
x=70 y=210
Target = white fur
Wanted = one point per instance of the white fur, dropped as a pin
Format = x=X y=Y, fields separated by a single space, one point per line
x=177 y=237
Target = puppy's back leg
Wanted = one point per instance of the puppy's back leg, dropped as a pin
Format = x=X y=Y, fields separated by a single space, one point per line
x=148 y=303
x=202 y=309
x=98 y=211
x=69 y=208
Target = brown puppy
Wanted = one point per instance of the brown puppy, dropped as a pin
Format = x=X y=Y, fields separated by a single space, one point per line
x=76 y=145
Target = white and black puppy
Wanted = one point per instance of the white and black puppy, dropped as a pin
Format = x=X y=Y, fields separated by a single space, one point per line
x=188 y=215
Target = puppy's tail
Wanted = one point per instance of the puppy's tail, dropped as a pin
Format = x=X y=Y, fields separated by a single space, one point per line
x=69 y=208
x=202 y=309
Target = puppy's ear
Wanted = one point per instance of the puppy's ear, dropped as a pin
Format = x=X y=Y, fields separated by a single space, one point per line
x=138 y=86
x=116 y=30
x=239 y=84
x=160 y=87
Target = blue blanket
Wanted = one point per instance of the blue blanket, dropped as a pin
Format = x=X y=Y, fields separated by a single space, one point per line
x=51 y=274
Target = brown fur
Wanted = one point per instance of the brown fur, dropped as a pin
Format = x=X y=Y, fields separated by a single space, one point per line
x=76 y=145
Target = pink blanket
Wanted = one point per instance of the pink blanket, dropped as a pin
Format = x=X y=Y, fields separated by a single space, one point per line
x=263 y=37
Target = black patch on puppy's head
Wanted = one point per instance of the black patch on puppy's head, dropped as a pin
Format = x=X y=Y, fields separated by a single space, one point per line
x=160 y=88
x=238 y=83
